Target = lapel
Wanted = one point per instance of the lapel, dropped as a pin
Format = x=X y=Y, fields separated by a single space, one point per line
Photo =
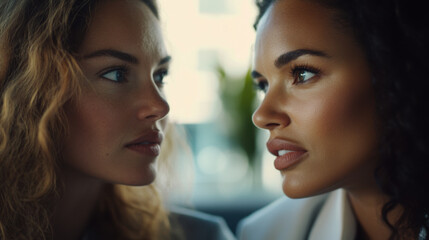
x=335 y=220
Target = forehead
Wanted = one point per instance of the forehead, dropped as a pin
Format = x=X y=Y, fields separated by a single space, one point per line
x=298 y=24
x=126 y=25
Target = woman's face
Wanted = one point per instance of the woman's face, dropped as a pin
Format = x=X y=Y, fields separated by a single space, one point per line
x=319 y=103
x=115 y=126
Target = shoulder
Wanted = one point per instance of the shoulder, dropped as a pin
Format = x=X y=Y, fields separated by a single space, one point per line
x=198 y=225
x=295 y=215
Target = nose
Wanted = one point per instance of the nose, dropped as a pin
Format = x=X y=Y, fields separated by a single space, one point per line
x=154 y=106
x=271 y=113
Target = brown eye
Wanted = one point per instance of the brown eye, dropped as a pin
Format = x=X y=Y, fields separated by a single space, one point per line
x=304 y=76
x=304 y=73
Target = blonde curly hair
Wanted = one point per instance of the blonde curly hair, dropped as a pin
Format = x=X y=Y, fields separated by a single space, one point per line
x=39 y=74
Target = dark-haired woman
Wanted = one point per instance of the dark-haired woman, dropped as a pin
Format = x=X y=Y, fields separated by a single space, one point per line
x=345 y=88
x=83 y=116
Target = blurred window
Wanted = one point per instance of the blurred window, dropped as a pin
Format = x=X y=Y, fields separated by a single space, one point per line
x=211 y=96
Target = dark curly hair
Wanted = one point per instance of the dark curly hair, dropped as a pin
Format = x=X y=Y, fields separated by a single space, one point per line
x=394 y=34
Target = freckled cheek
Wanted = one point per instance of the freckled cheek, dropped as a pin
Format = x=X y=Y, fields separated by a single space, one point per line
x=95 y=125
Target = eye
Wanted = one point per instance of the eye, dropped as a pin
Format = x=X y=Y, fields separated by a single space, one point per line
x=116 y=75
x=159 y=77
x=303 y=74
x=261 y=86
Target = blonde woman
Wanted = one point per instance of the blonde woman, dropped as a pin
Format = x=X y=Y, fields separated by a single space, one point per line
x=82 y=120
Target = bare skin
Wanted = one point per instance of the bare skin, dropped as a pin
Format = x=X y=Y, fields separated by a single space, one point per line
x=367 y=201
x=367 y=207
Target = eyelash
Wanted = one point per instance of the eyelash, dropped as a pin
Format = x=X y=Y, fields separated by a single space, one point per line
x=122 y=69
x=261 y=86
x=297 y=69
x=160 y=73
x=294 y=72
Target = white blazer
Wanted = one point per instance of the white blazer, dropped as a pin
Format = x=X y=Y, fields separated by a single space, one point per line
x=324 y=217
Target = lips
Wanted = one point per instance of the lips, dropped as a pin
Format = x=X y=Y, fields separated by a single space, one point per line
x=287 y=153
x=147 y=144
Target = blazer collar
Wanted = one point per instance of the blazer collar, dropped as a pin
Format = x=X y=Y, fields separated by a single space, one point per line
x=335 y=220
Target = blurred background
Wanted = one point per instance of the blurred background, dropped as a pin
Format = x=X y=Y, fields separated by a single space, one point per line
x=226 y=169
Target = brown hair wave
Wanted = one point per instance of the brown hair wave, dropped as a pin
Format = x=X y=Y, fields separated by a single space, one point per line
x=39 y=74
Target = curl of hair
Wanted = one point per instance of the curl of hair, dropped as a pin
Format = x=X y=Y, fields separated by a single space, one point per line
x=39 y=74
x=394 y=35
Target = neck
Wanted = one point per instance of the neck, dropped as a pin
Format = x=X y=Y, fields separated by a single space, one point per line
x=367 y=205
x=74 y=209
x=367 y=201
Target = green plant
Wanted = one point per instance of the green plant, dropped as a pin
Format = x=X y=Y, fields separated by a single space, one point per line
x=238 y=98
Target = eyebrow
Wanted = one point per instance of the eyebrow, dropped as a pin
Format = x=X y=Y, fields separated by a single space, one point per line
x=165 y=60
x=112 y=53
x=292 y=55
x=286 y=58
x=255 y=74
x=122 y=56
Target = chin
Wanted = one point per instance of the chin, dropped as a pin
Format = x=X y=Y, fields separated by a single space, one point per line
x=141 y=178
x=301 y=189
x=295 y=193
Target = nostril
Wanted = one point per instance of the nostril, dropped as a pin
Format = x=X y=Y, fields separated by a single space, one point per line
x=153 y=111
x=271 y=125
x=270 y=115
x=152 y=116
